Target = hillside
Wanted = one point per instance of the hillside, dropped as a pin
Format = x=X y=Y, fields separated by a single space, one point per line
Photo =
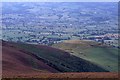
x=104 y=56
x=17 y=62
x=27 y=58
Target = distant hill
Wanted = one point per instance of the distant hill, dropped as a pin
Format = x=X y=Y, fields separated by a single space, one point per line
x=20 y=58
x=102 y=55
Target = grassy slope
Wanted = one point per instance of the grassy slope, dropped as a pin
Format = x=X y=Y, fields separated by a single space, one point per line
x=60 y=60
x=106 y=57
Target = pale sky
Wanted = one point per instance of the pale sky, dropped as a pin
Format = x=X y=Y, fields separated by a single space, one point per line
x=59 y=0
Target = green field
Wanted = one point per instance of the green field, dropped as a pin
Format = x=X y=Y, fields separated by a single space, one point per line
x=104 y=56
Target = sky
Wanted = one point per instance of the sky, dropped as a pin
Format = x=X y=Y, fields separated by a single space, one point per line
x=59 y=0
